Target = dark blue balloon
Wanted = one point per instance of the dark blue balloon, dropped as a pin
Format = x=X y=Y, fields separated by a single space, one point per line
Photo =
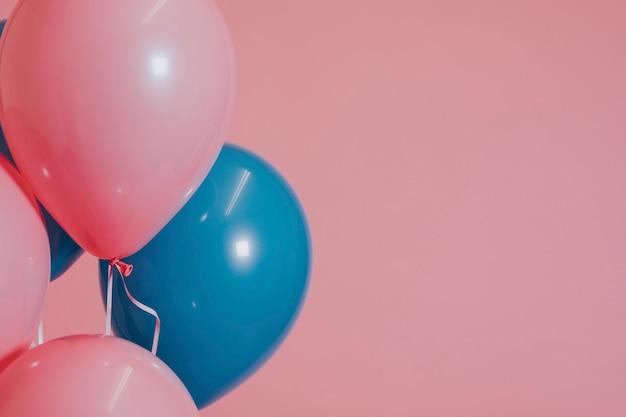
x=227 y=276
x=63 y=250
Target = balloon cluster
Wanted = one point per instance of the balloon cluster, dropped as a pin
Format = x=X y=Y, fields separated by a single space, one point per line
x=114 y=116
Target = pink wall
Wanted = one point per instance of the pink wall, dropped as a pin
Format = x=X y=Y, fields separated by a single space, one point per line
x=463 y=165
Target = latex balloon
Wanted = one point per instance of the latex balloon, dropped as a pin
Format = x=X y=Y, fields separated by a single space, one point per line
x=227 y=277
x=6 y=6
x=4 y=149
x=63 y=250
x=24 y=263
x=96 y=376
x=114 y=111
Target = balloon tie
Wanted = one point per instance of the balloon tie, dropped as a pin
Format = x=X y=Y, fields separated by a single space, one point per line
x=125 y=270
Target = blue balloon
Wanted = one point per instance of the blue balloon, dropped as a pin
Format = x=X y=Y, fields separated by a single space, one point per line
x=63 y=250
x=227 y=276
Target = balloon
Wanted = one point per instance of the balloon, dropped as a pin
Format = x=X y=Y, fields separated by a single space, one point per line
x=115 y=110
x=6 y=6
x=4 y=149
x=63 y=250
x=24 y=263
x=227 y=277
x=94 y=376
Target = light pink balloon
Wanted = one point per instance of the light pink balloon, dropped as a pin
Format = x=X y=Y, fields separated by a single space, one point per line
x=115 y=110
x=24 y=263
x=6 y=6
x=93 y=376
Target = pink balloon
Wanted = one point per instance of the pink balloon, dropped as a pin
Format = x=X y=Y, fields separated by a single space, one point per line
x=24 y=263
x=6 y=6
x=93 y=376
x=115 y=110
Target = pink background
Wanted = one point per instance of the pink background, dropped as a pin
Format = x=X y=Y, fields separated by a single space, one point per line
x=463 y=165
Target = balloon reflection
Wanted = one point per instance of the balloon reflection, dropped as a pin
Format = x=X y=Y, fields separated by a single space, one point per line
x=242 y=183
x=160 y=66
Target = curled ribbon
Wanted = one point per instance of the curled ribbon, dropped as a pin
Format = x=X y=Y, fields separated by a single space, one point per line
x=125 y=270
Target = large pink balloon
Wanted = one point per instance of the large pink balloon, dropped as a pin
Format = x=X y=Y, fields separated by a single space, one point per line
x=95 y=376
x=115 y=110
x=24 y=263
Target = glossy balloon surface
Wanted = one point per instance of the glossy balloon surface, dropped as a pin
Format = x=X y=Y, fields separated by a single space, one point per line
x=95 y=376
x=227 y=276
x=63 y=250
x=114 y=111
x=24 y=263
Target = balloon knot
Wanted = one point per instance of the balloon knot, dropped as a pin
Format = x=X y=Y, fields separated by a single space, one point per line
x=123 y=268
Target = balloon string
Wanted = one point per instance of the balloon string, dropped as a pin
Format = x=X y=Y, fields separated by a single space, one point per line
x=39 y=336
x=40 y=333
x=109 y=297
x=125 y=270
